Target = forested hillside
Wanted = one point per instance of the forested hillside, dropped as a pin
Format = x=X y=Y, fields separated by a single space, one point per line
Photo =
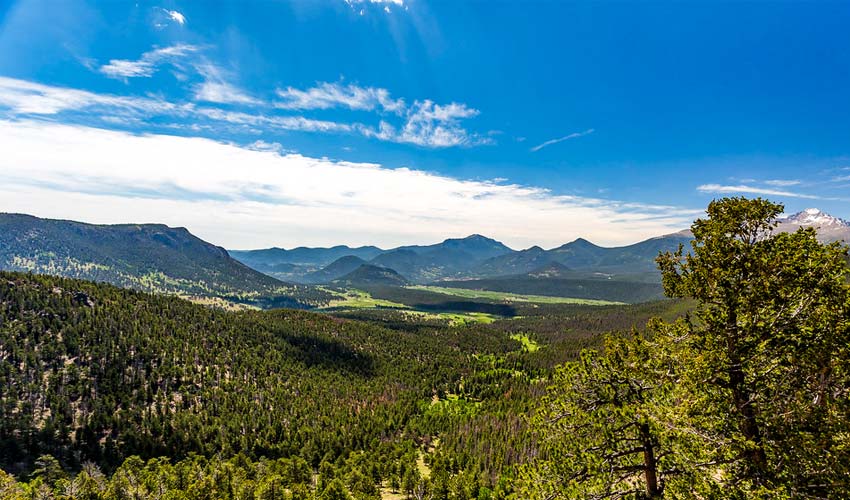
x=149 y=257
x=94 y=374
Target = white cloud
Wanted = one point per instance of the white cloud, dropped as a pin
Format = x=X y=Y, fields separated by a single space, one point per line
x=216 y=87
x=275 y=122
x=222 y=92
x=332 y=95
x=434 y=125
x=162 y=18
x=242 y=198
x=743 y=188
x=146 y=65
x=27 y=98
x=23 y=97
x=269 y=146
x=385 y=3
x=562 y=139
x=176 y=16
x=424 y=123
x=783 y=182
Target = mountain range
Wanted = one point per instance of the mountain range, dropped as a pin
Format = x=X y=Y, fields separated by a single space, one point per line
x=158 y=258
x=475 y=256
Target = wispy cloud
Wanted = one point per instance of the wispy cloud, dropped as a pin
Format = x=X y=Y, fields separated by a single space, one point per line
x=743 y=188
x=430 y=124
x=222 y=92
x=562 y=139
x=821 y=185
x=358 y=4
x=275 y=122
x=163 y=18
x=424 y=123
x=216 y=87
x=289 y=199
x=176 y=16
x=22 y=97
x=783 y=182
x=148 y=63
x=333 y=95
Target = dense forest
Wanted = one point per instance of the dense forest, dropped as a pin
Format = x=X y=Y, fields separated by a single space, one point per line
x=736 y=387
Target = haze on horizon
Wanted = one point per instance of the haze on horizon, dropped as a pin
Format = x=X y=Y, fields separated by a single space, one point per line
x=407 y=122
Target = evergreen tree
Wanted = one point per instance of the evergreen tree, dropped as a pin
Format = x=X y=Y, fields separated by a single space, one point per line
x=747 y=398
x=766 y=356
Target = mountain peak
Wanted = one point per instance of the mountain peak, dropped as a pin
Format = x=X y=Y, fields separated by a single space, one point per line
x=814 y=217
x=581 y=242
x=475 y=239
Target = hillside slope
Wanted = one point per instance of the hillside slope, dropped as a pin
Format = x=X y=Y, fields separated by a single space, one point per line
x=335 y=269
x=150 y=257
x=368 y=275
x=95 y=372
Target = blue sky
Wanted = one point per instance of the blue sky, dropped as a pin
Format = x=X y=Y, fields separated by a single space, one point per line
x=404 y=121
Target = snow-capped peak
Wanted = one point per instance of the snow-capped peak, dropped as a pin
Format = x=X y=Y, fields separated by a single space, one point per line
x=814 y=217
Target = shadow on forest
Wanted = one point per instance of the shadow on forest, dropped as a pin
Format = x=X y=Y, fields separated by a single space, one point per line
x=269 y=302
x=464 y=306
x=331 y=354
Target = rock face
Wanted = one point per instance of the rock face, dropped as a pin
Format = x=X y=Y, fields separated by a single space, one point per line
x=814 y=217
x=830 y=228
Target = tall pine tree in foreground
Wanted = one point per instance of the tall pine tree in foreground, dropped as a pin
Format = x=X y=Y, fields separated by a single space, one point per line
x=747 y=398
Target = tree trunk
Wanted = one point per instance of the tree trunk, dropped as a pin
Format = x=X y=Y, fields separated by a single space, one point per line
x=650 y=463
x=742 y=399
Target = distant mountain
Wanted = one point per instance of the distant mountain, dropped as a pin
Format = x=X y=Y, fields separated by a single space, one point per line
x=423 y=266
x=814 y=217
x=420 y=263
x=582 y=255
x=307 y=258
x=368 y=275
x=150 y=257
x=578 y=254
x=402 y=260
x=829 y=228
x=639 y=257
x=520 y=262
x=335 y=269
x=451 y=258
x=475 y=246
x=477 y=256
